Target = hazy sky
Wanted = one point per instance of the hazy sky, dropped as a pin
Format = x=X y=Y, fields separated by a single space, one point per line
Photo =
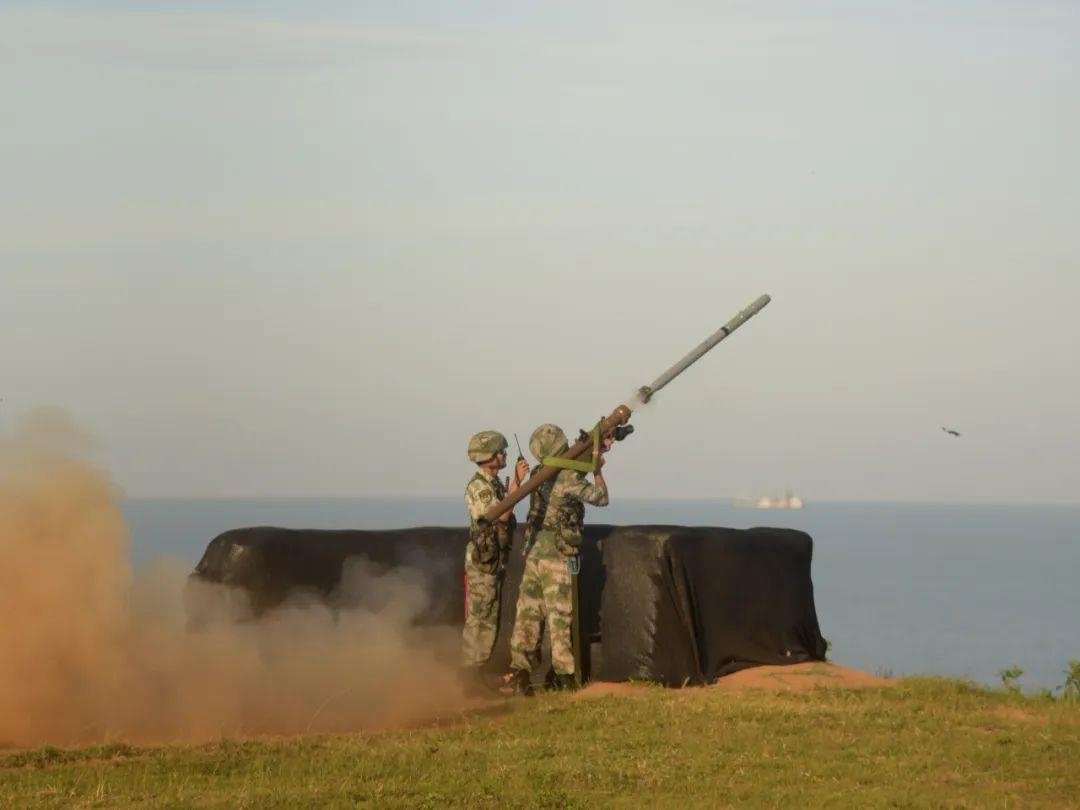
x=268 y=248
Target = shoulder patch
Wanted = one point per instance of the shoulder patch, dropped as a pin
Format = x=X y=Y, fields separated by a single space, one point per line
x=486 y=496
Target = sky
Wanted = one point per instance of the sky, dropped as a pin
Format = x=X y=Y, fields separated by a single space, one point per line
x=307 y=249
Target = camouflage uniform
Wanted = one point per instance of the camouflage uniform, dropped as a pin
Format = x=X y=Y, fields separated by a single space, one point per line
x=485 y=558
x=553 y=536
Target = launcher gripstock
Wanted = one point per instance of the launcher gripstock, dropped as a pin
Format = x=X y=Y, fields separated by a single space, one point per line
x=618 y=434
x=616 y=425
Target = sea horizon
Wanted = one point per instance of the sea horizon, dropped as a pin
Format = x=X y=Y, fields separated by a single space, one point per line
x=730 y=499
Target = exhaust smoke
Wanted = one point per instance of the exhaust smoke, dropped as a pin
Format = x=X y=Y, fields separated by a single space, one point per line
x=91 y=651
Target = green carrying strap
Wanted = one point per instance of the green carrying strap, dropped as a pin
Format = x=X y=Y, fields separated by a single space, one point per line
x=567 y=464
x=574 y=464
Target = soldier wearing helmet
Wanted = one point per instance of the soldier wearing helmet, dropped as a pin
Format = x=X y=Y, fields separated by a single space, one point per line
x=553 y=540
x=489 y=543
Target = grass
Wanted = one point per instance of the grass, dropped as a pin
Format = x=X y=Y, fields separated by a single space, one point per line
x=924 y=743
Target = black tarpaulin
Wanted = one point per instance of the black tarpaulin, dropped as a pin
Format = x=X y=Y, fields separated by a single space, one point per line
x=688 y=605
x=669 y=604
x=271 y=564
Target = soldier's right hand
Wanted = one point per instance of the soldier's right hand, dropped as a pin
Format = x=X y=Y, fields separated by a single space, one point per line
x=521 y=470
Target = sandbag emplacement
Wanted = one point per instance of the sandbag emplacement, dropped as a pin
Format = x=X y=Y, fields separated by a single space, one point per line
x=670 y=604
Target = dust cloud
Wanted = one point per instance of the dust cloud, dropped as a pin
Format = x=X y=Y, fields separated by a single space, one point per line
x=91 y=651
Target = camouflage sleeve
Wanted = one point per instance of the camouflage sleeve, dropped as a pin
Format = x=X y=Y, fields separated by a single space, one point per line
x=479 y=497
x=575 y=485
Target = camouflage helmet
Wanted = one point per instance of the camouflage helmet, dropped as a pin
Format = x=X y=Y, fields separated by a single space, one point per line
x=485 y=445
x=547 y=440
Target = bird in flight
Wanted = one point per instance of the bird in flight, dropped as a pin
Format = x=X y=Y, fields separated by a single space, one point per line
x=950 y=431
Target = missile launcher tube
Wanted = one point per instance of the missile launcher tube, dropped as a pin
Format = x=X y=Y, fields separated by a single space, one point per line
x=621 y=415
x=645 y=393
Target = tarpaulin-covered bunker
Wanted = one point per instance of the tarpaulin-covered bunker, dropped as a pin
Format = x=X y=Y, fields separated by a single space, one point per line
x=671 y=604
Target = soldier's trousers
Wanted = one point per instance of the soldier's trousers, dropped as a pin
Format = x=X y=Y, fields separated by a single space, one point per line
x=544 y=597
x=482 y=616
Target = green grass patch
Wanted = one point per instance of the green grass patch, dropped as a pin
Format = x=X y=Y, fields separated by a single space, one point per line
x=926 y=742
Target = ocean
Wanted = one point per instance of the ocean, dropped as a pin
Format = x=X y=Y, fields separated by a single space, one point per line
x=901 y=589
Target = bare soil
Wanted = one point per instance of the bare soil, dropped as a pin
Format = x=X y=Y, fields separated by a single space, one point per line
x=800 y=678
x=788 y=678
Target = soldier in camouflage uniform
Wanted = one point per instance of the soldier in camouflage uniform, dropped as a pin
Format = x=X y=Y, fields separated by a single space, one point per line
x=488 y=545
x=553 y=540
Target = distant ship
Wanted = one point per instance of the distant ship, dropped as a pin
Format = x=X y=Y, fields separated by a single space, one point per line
x=787 y=501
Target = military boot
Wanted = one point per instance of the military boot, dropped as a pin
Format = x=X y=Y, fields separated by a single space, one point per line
x=519 y=682
x=551 y=682
x=567 y=683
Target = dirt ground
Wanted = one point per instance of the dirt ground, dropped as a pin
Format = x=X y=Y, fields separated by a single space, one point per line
x=790 y=678
x=799 y=678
